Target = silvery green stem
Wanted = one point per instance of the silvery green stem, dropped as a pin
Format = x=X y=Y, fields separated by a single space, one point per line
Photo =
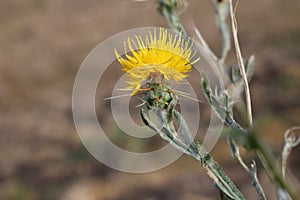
x=185 y=144
x=168 y=8
x=250 y=140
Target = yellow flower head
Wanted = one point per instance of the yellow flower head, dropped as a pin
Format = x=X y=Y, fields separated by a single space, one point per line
x=165 y=57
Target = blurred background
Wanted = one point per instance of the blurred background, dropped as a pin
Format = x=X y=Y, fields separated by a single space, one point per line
x=43 y=43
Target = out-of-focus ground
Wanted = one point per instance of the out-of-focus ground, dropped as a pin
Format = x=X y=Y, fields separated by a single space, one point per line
x=42 y=44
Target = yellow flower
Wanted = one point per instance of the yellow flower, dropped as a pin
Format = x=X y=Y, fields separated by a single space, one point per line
x=165 y=57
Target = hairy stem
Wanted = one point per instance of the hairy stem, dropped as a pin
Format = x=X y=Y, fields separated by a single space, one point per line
x=189 y=147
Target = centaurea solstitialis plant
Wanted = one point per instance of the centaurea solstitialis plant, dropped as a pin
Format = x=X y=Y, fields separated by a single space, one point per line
x=163 y=57
x=158 y=59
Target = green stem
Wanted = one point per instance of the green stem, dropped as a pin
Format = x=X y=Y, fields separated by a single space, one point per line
x=266 y=157
x=268 y=160
x=168 y=9
x=189 y=147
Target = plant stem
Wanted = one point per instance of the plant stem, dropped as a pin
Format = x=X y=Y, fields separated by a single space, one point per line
x=167 y=8
x=241 y=62
x=267 y=159
x=189 y=147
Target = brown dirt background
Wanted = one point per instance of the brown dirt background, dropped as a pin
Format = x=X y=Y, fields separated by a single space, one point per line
x=42 y=44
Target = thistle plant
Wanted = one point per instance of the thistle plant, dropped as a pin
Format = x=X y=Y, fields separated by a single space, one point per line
x=160 y=58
